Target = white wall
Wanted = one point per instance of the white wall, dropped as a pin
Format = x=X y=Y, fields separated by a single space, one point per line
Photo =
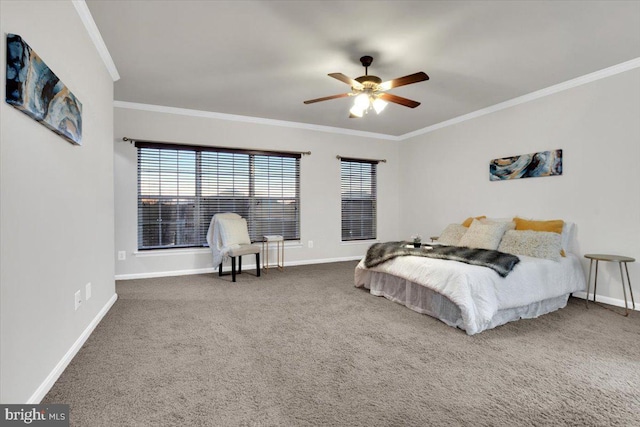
x=56 y=215
x=445 y=173
x=319 y=185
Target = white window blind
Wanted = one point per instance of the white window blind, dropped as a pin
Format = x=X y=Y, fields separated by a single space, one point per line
x=181 y=187
x=358 y=189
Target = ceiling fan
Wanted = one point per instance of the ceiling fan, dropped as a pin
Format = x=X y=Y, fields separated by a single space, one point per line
x=370 y=91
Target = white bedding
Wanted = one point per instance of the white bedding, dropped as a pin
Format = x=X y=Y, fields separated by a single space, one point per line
x=480 y=292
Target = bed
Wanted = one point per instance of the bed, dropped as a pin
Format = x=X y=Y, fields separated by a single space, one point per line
x=475 y=298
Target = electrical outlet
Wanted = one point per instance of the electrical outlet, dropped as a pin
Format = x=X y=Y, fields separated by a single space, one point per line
x=87 y=293
x=122 y=255
x=78 y=299
x=310 y=243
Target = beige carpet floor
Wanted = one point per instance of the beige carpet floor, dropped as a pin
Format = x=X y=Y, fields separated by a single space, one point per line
x=304 y=347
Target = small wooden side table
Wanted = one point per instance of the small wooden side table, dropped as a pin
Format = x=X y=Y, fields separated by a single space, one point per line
x=279 y=241
x=610 y=258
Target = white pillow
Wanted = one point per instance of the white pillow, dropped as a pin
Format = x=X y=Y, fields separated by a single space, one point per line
x=484 y=235
x=234 y=232
x=451 y=234
x=567 y=236
x=538 y=244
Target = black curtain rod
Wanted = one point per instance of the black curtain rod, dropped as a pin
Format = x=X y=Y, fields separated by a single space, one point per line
x=361 y=160
x=228 y=149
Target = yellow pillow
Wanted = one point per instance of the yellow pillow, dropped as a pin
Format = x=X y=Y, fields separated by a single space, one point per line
x=553 y=226
x=467 y=222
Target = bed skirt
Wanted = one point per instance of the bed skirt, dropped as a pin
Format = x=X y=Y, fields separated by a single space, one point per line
x=426 y=301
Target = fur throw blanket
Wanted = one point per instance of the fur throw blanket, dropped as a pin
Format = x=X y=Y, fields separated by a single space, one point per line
x=499 y=262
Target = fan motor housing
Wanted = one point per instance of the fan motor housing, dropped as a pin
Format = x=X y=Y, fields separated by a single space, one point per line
x=374 y=80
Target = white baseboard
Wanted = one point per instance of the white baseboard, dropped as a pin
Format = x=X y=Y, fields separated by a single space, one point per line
x=154 y=274
x=607 y=300
x=325 y=260
x=53 y=376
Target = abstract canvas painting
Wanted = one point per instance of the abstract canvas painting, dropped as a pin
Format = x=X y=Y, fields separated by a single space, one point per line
x=36 y=91
x=544 y=163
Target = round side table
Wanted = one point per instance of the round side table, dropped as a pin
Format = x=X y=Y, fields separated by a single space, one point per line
x=610 y=258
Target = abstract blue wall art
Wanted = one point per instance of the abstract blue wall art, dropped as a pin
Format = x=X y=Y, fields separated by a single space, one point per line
x=544 y=163
x=36 y=91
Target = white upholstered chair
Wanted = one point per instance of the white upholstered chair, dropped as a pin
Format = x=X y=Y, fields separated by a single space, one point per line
x=228 y=236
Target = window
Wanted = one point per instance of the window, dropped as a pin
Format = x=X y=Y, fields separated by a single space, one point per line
x=358 y=188
x=181 y=187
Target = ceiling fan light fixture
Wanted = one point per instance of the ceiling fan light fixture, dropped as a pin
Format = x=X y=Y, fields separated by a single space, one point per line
x=356 y=111
x=379 y=105
x=362 y=101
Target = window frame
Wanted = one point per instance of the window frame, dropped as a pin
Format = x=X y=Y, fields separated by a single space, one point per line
x=367 y=225
x=258 y=222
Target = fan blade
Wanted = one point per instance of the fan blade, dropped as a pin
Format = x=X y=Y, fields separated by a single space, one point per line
x=348 y=80
x=402 y=81
x=326 y=98
x=399 y=100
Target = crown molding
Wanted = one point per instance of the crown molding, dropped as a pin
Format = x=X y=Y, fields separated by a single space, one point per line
x=249 y=119
x=96 y=37
x=569 y=84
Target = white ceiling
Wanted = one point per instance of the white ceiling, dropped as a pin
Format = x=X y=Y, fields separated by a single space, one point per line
x=264 y=58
